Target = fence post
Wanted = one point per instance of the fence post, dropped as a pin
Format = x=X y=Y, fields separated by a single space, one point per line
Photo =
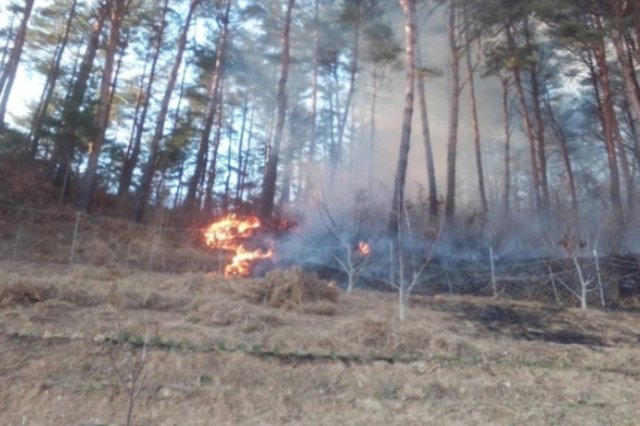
x=493 y=273
x=156 y=230
x=75 y=237
x=16 y=242
x=553 y=284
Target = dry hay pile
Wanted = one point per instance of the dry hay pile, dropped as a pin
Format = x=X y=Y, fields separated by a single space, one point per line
x=23 y=294
x=293 y=289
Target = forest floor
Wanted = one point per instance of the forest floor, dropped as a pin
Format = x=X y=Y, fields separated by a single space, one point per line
x=213 y=355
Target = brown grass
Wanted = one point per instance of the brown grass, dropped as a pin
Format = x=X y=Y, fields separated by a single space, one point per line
x=222 y=354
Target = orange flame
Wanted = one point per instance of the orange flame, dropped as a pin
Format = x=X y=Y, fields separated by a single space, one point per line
x=364 y=249
x=227 y=234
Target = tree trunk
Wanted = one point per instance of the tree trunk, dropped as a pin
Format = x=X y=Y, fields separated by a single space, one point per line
x=271 y=171
x=452 y=144
x=636 y=25
x=539 y=124
x=131 y=160
x=150 y=165
x=211 y=178
x=9 y=71
x=50 y=84
x=287 y=169
x=426 y=133
x=632 y=91
x=213 y=107
x=624 y=161
x=245 y=166
x=372 y=125
x=397 y=203
x=605 y=100
x=334 y=109
x=117 y=11
x=506 y=121
x=227 y=183
x=128 y=165
x=564 y=147
x=314 y=80
x=476 y=126
x=241 y=158
x=527 y=122
x=8 y=37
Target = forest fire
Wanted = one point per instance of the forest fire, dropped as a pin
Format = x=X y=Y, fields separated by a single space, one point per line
x=229 y=233
x=364 y=249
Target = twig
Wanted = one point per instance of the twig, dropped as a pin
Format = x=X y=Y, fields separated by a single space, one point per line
x=75 y=237
x=16 y=243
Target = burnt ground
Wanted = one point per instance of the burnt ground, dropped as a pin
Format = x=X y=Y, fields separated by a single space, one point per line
x=214 y=353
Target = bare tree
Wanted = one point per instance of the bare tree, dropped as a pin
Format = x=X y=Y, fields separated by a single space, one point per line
x=411 y=258
x=354 y=246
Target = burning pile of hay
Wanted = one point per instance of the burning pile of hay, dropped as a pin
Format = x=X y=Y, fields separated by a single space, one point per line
x=293 y=289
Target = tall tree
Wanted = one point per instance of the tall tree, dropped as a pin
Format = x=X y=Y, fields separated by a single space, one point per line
x=117 y=10
x=471 y=69
x=534 y=74
x=143 y=101
x=454 y=111
x=397 y=203
x=10 y=69
x=267 y=202
x=214 y=106
x=516 y=64
x=506 y=123
x=426 y=133
x=161 y=117
x=51 y=81
x=604 y=97
x=71 y=120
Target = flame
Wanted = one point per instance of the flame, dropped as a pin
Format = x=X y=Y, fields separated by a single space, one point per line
x=227 y=234
x=240 y=266
x=364 y=249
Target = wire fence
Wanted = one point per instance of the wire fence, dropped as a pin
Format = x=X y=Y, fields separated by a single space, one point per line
x=68 y=237
x=606 y=280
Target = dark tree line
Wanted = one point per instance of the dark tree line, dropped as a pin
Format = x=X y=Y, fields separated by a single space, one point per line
x=211 y=105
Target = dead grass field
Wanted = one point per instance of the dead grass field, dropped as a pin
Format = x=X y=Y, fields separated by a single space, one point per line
x=228 y=352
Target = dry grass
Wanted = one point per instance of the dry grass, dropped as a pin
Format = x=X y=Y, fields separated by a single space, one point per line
x=291 y=289
x=238 y=352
